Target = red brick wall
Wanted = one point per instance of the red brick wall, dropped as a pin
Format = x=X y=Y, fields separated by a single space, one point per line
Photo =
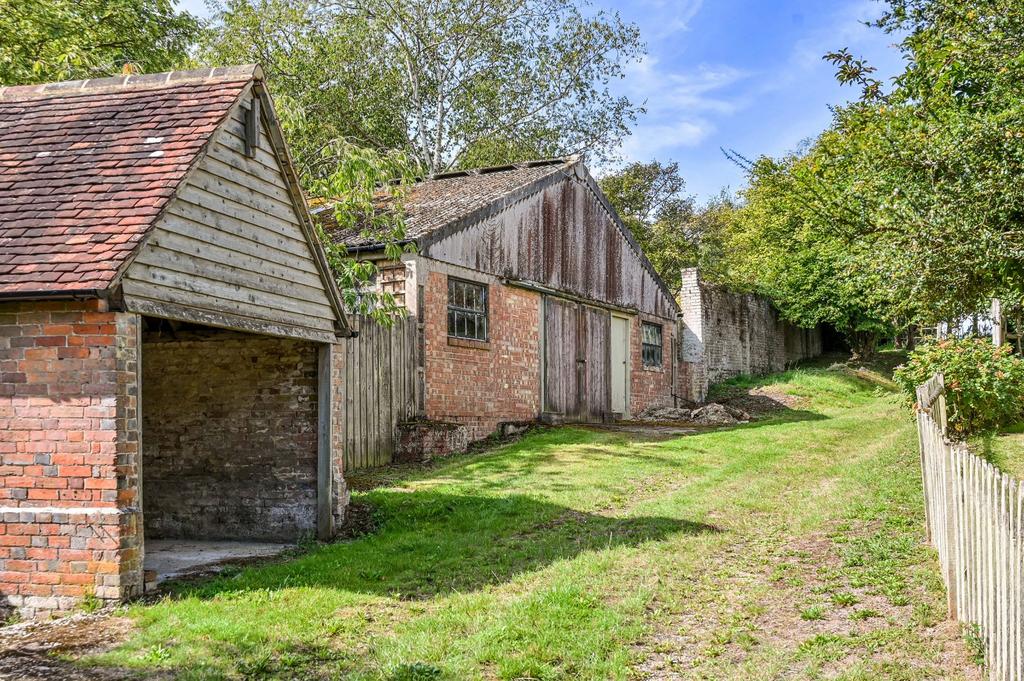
x=650 y=386
x=230 y=435
x=68 y=454
x=481 y=385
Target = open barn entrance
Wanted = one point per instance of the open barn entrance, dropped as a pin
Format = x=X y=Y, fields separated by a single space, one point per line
x=229 y=444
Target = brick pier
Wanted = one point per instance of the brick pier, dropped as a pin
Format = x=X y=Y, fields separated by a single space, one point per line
x=69 y=439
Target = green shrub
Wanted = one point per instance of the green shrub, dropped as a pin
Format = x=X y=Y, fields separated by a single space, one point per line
x=984 y=383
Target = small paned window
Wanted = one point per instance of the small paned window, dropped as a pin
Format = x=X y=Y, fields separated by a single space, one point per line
x=467 y=310
x=650 y=345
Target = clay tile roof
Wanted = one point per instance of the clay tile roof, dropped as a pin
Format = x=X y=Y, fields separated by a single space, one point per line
x=87 y=166
x=441 y=200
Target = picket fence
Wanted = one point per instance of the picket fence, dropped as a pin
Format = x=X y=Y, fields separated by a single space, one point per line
x=975 y=519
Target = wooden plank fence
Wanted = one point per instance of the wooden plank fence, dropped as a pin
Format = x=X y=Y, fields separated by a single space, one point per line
x=975 y=518
x=378 y=388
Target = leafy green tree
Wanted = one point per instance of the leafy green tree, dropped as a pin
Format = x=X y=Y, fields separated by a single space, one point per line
x=49 y=40
x=365 y=190
x=327 y=85
x=451 y=83
x=933 y=166
x=909 y=209
x=777 y=245
x=651 y=200
x=673 y=230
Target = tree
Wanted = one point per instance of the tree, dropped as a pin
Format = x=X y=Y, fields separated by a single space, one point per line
x=670 y=227
x=909 y=208
x=327 y=85
x=650 y=198
x=933 y=166
x=777 y=245
x=449 y=82
x=48 y=40
x=365 y=189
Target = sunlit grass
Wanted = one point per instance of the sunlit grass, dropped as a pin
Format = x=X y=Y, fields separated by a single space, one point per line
x=564 y=555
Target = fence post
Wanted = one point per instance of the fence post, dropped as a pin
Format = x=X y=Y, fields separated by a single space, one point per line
x=950 y=517
x=922 y=443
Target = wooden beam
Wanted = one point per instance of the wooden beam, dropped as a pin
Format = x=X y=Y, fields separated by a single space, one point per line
x=324 y=450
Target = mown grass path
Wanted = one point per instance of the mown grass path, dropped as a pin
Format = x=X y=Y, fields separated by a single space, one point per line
x=786 y=548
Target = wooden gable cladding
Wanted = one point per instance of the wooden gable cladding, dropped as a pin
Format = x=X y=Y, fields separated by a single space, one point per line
x=231 y=249
x=564 y=237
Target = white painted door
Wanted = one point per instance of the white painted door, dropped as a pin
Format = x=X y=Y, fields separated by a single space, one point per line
x=619 y=343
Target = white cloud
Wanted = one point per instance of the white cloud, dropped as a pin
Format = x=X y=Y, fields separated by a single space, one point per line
x=663 y=18
x=846 y=28
x=650 y=141
x=679 y=105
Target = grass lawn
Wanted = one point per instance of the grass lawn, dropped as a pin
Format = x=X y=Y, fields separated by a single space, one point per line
x=1005 y=450
x=787 y=548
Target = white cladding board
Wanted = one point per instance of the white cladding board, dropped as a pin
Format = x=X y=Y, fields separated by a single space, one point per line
x=563 y=237
x=230 y=249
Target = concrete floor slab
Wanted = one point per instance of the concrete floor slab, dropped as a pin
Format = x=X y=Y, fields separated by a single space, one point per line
x=171 y=558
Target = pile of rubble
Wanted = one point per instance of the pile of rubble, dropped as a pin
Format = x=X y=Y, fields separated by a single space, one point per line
x=711 y=414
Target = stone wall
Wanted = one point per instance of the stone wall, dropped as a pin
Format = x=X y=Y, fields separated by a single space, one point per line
x=230 y=446
x=69 y=453
x=482 y=384
x=725 y=334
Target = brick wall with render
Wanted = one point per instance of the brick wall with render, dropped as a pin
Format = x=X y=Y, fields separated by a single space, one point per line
x=726 y=334
x=482 y=384
x=230 y=446
x=650 y=386
x=69 y=454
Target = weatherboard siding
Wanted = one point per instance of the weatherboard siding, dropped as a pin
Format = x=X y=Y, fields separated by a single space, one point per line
x=230 y=249
x=561 y=237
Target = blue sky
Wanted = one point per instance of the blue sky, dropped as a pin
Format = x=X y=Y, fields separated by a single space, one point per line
x=740 y=74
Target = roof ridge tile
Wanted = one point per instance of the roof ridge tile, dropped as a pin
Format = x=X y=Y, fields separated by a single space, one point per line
x=221 y=74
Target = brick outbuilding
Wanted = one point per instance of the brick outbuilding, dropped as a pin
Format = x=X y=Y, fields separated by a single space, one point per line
x=167 y=331
x=534 y=302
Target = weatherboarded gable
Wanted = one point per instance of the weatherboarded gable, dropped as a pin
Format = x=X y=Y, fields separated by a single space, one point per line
x=563 y=236
x=232 y=248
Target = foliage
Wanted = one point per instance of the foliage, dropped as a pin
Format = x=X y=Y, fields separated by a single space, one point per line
x=984 y=383
x=364 y=192
x=912 y=201
x=450 y=83
x=49 y=40
x=332 y=91
x=776 y=245
x=650 y=199
x=670 y=227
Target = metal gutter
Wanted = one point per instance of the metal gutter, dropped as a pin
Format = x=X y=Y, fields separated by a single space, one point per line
x=547 y=290
x=73 y=294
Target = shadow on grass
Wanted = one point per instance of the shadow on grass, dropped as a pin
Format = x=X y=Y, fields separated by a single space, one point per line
x=428 y=544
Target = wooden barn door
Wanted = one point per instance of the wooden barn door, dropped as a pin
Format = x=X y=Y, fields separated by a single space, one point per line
x=561 y=368
x=619 y=366
x=596 y=328
x=576 y=378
